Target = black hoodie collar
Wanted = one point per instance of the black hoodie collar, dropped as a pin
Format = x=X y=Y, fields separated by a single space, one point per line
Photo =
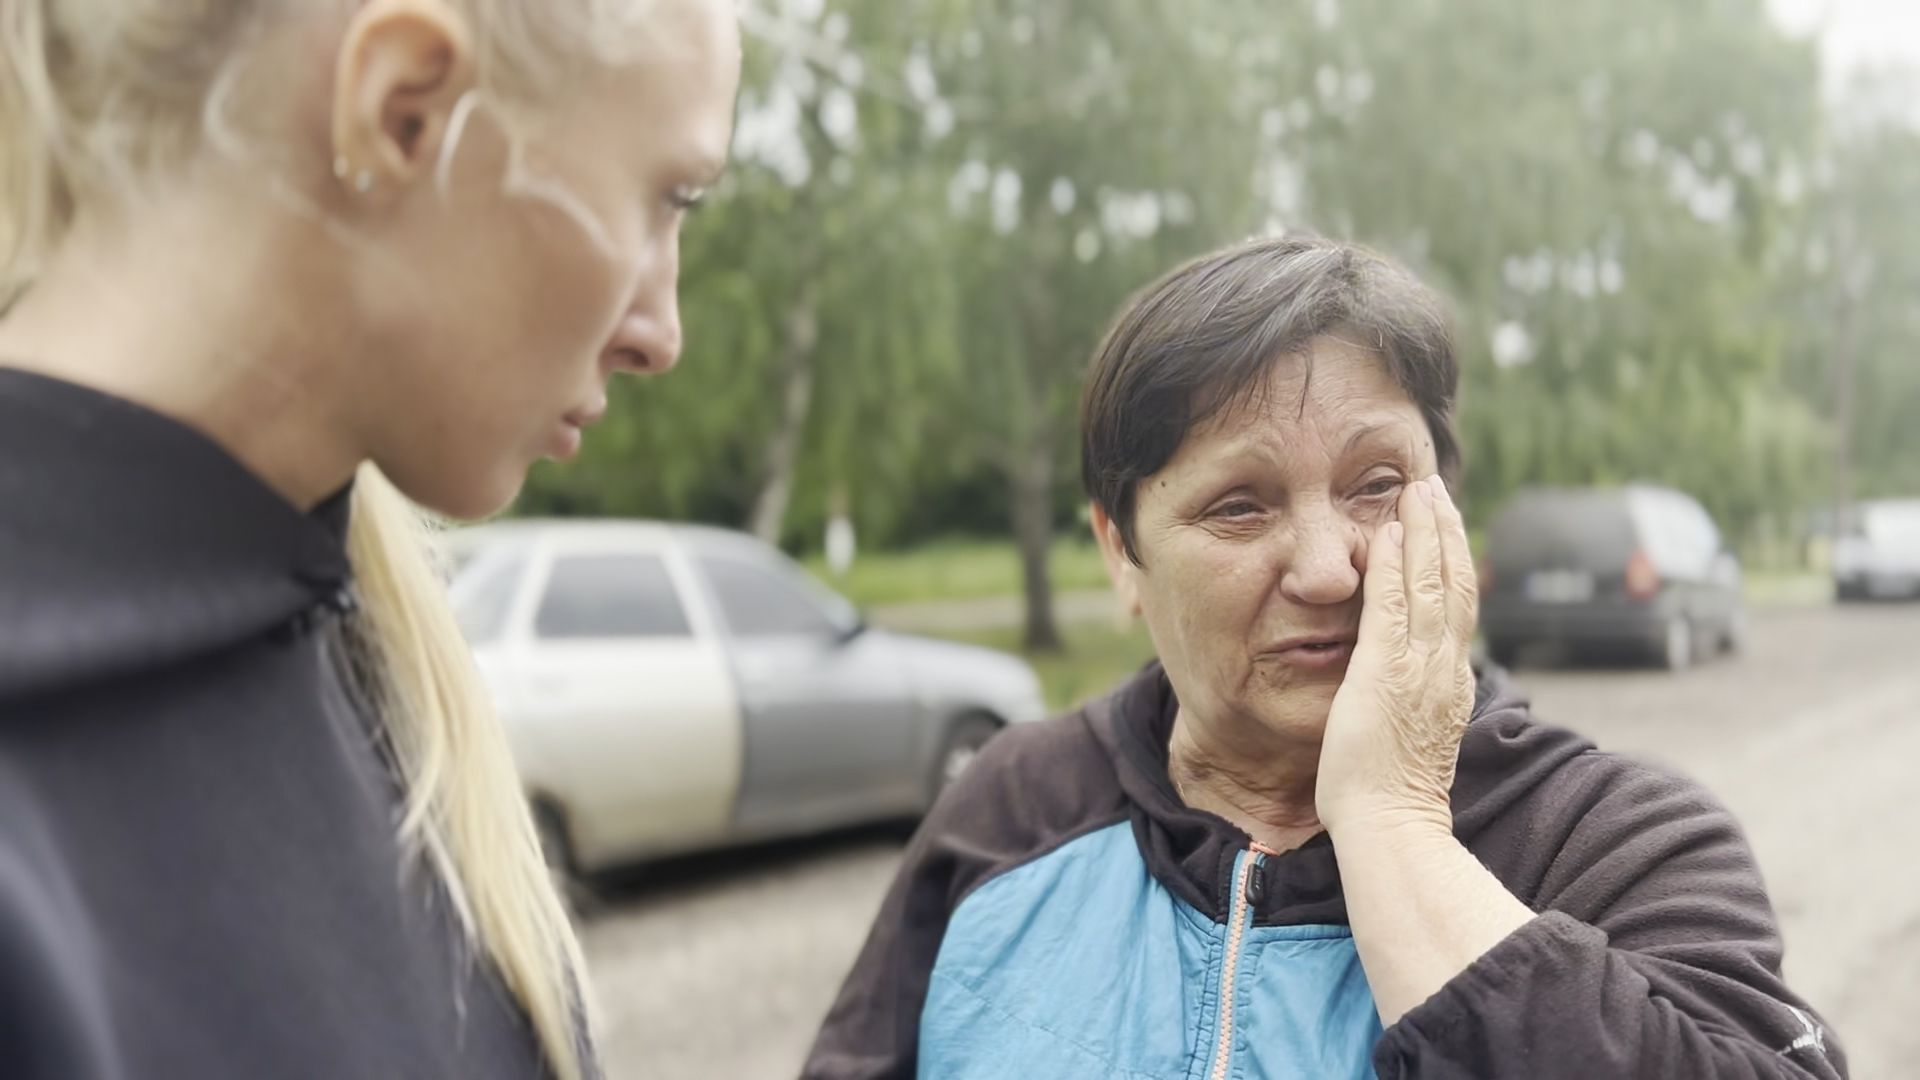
x=130 y=542
x=1503 y=756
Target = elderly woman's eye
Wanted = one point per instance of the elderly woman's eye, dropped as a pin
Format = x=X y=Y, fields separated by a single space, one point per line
x=1382 y=487
x=1236 y=508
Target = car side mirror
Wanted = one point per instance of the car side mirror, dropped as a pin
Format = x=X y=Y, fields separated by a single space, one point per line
x=851 y=630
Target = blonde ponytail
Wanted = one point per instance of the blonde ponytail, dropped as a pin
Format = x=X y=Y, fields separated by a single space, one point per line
x=466 y=813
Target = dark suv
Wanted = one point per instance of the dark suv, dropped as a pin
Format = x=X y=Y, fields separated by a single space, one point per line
x=1635 y=569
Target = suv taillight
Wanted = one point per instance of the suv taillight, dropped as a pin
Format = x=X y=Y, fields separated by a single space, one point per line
x=1643 y=581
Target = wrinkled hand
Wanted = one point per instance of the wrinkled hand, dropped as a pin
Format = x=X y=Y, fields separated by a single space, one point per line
x=1393 y=737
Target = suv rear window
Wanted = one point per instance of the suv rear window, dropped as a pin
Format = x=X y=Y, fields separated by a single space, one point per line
x=1539 y=530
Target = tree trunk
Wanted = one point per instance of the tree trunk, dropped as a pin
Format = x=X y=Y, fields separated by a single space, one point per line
x=1843 y=383
x=1033 y=528
x=1855 y=274
x=802 y=335
x=1031 y=463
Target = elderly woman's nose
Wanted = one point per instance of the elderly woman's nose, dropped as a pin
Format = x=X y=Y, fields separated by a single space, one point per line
x=1324 y=567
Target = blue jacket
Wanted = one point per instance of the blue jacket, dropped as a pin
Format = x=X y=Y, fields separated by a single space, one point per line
x=1062 y=914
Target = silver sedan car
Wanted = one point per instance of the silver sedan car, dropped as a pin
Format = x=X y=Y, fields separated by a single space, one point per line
x=668 y=688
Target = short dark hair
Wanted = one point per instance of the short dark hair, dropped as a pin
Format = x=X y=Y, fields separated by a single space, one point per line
x=1204 y=338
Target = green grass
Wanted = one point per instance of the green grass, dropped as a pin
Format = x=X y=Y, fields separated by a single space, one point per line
x=972 y=569
x=1098 y=657
x=1791 y=588
x=957 y=570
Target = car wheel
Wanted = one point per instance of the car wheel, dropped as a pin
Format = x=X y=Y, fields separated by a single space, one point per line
x=557 y=852
x=963 y=743
x=1676 y=646
x=1733 y=641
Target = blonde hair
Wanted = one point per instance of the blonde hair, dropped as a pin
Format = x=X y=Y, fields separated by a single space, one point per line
x=465 y=810
x=96 y=94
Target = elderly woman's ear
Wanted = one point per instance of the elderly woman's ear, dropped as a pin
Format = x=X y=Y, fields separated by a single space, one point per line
x=1121 y=569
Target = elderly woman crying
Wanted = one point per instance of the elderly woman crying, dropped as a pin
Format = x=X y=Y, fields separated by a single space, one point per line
x=1309 y=841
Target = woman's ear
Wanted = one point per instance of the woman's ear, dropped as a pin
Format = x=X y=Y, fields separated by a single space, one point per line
x=403 y=67
x=1121 y=569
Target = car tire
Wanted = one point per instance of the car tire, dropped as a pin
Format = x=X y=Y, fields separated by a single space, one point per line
x=1676 y=644
x=555 y=849
x=1733 y=640
x=964 y=740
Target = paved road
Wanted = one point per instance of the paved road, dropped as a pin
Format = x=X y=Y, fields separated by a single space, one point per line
x=721 y=966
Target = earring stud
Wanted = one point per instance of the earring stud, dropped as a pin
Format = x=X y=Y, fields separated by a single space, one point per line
x=362 y=180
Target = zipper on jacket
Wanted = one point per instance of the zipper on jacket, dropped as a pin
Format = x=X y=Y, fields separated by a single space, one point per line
x=1247 y=889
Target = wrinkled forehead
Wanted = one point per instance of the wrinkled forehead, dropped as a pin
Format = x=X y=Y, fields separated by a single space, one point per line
x=1330 y=389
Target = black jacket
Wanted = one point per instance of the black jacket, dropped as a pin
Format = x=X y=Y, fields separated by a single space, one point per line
x=199 y=876
x=1062 y=914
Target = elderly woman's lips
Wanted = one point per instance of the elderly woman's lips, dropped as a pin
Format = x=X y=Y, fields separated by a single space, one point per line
x=1313 y=656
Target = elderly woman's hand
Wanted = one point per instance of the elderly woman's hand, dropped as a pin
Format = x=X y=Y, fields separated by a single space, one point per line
x=1393 y=736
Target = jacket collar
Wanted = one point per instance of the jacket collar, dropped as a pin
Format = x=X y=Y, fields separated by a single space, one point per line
x=131 y=542
x=1503 y=755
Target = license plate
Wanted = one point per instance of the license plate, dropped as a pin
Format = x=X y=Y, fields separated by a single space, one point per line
x=1560 y=586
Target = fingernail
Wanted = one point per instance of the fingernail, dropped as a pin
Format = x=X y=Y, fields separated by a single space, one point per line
x=1424 y=489
x=1396 y=532
x=1439 y=486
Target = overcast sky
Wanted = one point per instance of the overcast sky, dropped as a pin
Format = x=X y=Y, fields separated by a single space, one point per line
x=1856 y=32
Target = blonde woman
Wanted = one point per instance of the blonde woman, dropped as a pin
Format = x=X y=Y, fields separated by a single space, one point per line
x=272 y=272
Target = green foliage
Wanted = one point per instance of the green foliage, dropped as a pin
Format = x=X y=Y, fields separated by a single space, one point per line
x=1097 y=658
x=956 y=569
x=1643 y=202
x=1852 y=282
x=1594 y=182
